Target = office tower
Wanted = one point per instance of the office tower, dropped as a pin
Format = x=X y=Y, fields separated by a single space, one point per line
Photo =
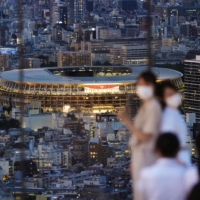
x=58 y=13
x=192 y=89
x=62 y=10
x=75 y=10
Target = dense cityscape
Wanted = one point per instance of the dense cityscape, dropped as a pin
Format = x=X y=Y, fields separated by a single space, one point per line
x=67 y=68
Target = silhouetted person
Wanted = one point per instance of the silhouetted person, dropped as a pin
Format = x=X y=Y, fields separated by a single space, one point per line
x=167 y=178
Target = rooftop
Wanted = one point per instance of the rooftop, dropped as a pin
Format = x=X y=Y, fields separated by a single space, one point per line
x=47 y=75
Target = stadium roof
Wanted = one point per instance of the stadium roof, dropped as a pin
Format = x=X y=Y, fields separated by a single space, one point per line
x=45 y=76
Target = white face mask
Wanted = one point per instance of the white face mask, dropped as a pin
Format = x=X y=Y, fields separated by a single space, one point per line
x=174 y=101
x=144 y=92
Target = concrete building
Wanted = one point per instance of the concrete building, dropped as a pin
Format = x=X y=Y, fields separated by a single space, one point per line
x=167 y=42
x=37 y=121
x=94 y=150
x=169 y=57
x=95 y=181
x=191 y=90
x=32 y=62
x=115 y=54
x=4 y=61
x=100 y=56
x=105 y=44
x=80 y=149
x=75 y=10
x=69 y=58
x=7 y=168
x=107 y=33
x=46 y=37
x=134 y=55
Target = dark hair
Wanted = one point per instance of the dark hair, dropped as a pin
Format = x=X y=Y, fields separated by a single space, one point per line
x=166 y=84
x=149 y=77
x=168 y=145
x=161 y=90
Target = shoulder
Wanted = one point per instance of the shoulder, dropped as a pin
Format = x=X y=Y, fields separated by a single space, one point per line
x=167 y=112
x=192 y=173
x=191 y=178
x=148 y=171
x=154 y=104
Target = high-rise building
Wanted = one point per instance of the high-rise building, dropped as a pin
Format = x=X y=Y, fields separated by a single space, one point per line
x=75 y=10
x=58 y=13
x=192 y=89
x=62 y=10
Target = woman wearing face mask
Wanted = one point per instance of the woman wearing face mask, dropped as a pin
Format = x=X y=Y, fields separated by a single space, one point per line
x=172 y=120
x=145 y=128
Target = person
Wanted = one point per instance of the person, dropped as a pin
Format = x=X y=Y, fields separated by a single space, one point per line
x=195 y=192
x=172 y=121
x=145 y=128
x=166 y=179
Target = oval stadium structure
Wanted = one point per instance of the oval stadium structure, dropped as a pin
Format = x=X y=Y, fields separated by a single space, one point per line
x=89 y=88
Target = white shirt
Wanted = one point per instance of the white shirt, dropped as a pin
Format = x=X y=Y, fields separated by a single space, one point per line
x=172 y=121
x=165 y=180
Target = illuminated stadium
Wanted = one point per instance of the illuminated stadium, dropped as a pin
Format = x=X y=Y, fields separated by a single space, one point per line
x=91 y=89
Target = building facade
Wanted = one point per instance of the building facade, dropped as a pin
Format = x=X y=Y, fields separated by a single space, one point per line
x=69 y=58
x=192 y=89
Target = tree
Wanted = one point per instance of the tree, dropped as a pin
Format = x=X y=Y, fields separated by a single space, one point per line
x=14 y=123
x=7 y=124
x=97 y=63
x=107 y=63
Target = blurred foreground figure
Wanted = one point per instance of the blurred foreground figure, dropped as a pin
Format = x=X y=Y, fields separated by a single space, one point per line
x=145 y=128
x=195 y=193
x=172 y=120
x=167 y=178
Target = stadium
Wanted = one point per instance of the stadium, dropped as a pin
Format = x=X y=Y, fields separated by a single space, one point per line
x=89 y=88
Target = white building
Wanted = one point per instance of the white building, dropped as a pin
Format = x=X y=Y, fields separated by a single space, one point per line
x=6 y=168
x=134 y=55
x=75 y=179
x=37 y=121
x=95 y=181
x=50 y=153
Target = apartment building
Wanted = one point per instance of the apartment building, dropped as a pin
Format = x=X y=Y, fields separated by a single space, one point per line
x=72 y=58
